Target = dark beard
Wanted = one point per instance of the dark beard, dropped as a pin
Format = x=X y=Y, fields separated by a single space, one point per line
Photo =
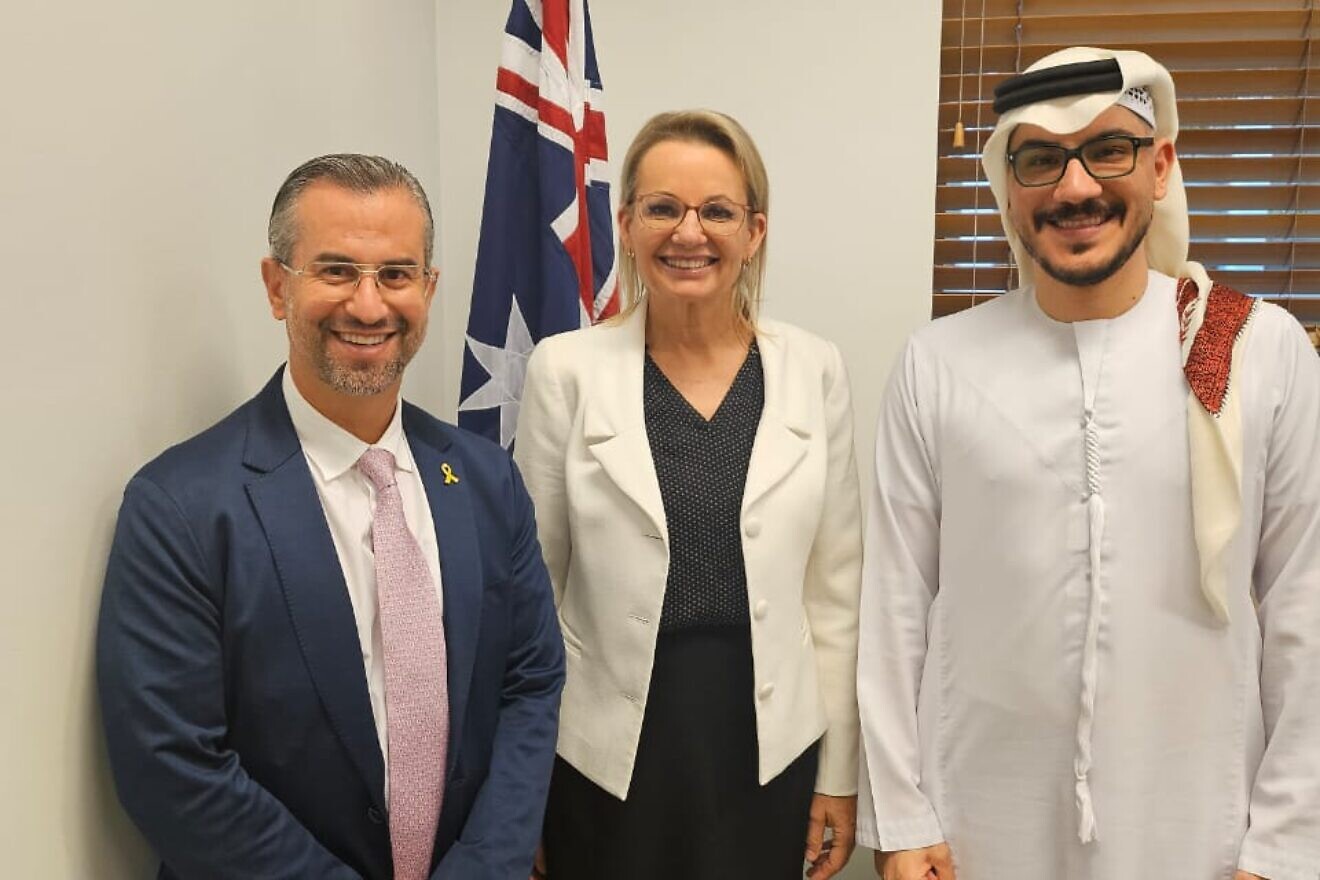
x=1087 y=277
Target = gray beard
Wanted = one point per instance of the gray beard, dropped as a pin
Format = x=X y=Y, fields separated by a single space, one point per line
x=360 y=383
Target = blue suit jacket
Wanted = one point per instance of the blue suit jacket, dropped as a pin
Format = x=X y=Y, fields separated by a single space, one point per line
x=231 y=678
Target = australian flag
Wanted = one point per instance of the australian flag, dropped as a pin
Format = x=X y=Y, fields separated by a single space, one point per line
x=545 y=261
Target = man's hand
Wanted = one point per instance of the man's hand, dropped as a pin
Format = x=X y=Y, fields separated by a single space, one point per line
x=827 y=857
x=929 y=863
x=538 y=863
x=1243 y=875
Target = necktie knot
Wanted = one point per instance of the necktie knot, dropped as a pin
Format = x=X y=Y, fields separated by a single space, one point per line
x=377 y=465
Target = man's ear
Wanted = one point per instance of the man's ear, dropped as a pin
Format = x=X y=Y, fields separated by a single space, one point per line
x=274 y=277
x=1165 y=155
x=432 y=280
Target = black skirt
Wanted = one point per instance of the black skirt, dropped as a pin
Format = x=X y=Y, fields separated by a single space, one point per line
x=694 y=808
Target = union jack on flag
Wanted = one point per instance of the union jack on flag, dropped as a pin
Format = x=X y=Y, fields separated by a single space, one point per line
x=545 y=259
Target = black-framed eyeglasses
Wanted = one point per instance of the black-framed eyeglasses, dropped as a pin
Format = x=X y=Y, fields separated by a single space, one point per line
x=1104 y=158
x=664 y=212
x=342 y=279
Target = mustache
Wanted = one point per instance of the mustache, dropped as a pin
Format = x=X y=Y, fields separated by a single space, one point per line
x=385 y=325
x=1097 y=208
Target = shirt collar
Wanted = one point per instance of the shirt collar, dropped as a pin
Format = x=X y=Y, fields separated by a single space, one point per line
x=332 y=450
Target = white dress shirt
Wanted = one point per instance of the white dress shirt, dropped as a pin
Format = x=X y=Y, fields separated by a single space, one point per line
x=349 y=499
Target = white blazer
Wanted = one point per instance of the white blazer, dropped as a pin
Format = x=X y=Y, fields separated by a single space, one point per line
x=583 y=451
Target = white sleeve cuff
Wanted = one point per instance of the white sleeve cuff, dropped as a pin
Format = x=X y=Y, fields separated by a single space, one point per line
x=911 y=833
x=1276 y=864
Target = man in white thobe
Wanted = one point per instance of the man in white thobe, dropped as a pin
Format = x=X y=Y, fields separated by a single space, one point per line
x=1090 y=634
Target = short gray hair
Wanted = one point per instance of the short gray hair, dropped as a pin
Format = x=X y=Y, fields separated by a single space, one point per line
x=353 y=171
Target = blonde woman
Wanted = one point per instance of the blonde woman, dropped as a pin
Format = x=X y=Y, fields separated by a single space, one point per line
x=697 y=503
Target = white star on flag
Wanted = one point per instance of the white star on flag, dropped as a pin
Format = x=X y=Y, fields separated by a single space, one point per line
x=507 y=368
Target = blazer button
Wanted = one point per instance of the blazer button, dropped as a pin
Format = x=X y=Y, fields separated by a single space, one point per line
x=760 y=609
x=375 y=815
x=766 y=690
x=753 y=528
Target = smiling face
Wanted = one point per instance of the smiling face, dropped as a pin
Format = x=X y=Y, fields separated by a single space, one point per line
x=351 y=344
x=688 y=264
x=1081 y=231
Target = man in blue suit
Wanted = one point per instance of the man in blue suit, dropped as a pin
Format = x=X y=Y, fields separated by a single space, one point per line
x=328 y=645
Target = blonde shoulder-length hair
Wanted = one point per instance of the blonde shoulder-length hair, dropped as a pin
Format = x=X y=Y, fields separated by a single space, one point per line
x=722 y=132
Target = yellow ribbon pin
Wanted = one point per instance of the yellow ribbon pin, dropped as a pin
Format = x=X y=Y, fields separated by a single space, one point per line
x=450 y=476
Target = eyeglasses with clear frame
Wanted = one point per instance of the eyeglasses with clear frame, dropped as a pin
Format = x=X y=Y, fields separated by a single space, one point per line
x=664 y=213
x=1104 y=158
x=341 y=279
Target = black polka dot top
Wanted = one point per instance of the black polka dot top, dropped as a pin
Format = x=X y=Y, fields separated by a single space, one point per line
x=702 y=468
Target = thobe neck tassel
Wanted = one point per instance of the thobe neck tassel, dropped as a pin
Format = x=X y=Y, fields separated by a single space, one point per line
x=1086 y=828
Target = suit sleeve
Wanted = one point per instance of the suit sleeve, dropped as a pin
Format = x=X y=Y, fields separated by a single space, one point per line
x=899 y=582
x=1283 y=840
x=160 y=672
x=544 y=422
x=830 y=591
x=502 y=831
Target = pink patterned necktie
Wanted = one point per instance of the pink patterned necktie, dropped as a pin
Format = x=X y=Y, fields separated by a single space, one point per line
x=416 y=690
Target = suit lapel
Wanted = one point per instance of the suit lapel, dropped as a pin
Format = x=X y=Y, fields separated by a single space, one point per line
x=614 y=423
x=783 y=434
x=307 y=566
x=461 y=580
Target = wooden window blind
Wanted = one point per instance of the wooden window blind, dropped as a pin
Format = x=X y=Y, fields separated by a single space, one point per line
x=1248 y=84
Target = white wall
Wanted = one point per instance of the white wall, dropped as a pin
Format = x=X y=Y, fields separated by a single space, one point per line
x=141 y=146
x=839 y=96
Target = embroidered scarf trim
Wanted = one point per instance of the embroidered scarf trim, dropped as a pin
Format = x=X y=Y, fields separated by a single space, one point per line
x=1211 y=356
